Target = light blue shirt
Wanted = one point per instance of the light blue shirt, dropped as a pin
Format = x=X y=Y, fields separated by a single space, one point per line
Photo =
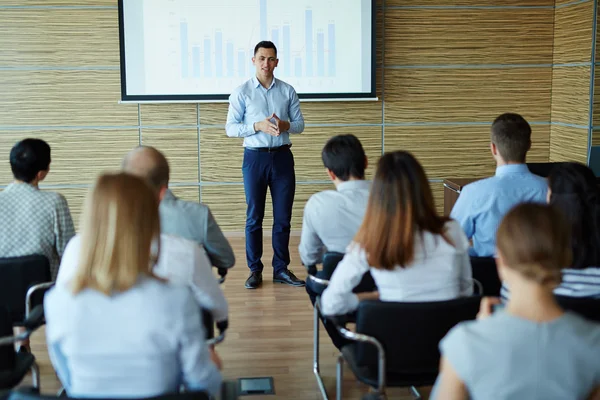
x=144 y=342
x=482 y=204
x=251 y=102
x=507 y=357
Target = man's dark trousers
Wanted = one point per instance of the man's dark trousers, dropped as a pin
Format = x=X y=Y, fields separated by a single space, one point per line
x=272 y=169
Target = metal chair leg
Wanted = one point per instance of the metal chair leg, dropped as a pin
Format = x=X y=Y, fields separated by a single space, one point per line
x=339 y=377
x=415 y=393
x=316 y=367
x=35 y=376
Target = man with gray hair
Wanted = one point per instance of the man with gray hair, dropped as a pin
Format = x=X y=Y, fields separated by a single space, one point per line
x=187 y=219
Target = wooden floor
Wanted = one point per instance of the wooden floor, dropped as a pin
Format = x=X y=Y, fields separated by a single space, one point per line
x=270 y=334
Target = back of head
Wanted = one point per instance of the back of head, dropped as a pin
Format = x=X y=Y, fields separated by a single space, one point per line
x=512 y=136
x=28 y=157
x=120 y=227
x=534 y=240
x=574 y=191
x=345 y=157
x=148 y=163
x=400 y=207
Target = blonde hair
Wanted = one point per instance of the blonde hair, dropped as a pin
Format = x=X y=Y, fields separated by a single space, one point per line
x=535 y=240
x=120 y=230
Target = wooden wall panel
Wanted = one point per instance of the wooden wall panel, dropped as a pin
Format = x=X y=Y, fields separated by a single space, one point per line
x=492 y=36
x=50 y=98
x=52 y=3
x=191 y=193
x=571 y=95
x=213 y=113
x=568 y=144
x=180 y=146
x=573 y=33
x=596 y=109
x=228 y=204
x=221 y=156
x=596 y=137
x=442 y=150
x=471 y=3
x=78 y=156
x=437 y=188
x=461 y=95
x=86 y=37
x=168 y=114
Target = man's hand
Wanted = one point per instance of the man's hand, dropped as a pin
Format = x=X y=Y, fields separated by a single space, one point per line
x=283 y=126
x=486 y=306
x=267 y=127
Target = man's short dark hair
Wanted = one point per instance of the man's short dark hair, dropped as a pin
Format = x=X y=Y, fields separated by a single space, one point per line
x=265 y=44
x=28 y=157
x=512 y=136
x=345 y=157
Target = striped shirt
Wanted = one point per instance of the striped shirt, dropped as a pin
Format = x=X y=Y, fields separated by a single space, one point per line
x=575 y=283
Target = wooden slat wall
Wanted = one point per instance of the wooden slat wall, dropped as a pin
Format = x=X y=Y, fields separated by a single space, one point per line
x=573 y=24
x=445 y=70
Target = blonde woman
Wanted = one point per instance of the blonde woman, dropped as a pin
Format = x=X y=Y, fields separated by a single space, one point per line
x=533 y=349
x=117 y=330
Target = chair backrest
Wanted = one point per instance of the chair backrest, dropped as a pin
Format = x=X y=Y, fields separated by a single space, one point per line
x=17 y=275
x=24 y=394
x=485 y=271
x=208 y=322
x=410 y=332
x=330 y=260
x=586 y=307
x=7 y=352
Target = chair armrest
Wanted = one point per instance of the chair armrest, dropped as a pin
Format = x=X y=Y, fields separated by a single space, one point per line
x=222 y=327
x=35 y=319
x=222 y=273
x=320 y=281
x=311 y=269
x=479 y=286
x=30 y=293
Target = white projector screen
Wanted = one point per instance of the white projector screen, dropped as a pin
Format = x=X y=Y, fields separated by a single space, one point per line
x=200 y=50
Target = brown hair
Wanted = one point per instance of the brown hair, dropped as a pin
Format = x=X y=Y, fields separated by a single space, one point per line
x=535 y=240
x=120 y=227
x=400 y=207
x=512 y=136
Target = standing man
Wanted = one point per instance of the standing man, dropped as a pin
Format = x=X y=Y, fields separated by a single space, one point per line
x=264 y=111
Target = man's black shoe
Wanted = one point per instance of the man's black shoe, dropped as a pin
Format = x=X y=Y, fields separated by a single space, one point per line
x=254 y=280
x=286 y=276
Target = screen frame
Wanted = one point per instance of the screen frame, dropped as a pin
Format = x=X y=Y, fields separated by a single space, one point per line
x=222 y=97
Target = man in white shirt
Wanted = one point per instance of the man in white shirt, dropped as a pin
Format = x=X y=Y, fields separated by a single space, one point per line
x=181 y=261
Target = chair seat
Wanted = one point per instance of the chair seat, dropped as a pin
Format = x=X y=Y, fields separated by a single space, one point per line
x=368 y=375
x=11 y=378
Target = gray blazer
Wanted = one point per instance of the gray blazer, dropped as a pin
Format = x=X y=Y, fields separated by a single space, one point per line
x=195 y=222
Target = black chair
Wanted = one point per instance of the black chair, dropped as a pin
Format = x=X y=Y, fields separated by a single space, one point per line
x=23 y=283
x=586 y=307
x=14 y=366
x=209 y=328
x=396 y=344
x=485 y=272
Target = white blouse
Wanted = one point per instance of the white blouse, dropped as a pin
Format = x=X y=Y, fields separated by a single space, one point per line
x=439 y=271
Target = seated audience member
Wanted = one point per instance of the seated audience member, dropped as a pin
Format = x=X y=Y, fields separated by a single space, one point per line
x=573 y=190
x=33 y=221
x=482 y=204
x=332 y=217
x=181 y=261
x=187 y=219
x=533 y=349
x=116 y=330
x=413 y=254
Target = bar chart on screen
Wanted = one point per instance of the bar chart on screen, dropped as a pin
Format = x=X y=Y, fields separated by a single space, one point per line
x=204 y=47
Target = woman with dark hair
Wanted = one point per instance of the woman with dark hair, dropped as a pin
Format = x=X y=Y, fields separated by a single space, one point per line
x=413 y=253
x=572 y=189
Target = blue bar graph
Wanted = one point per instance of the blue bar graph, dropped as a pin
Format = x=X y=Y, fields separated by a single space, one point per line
x=320 y=53
x=308 y=28
x=287 y=61
x=229 y=59
x=263 y=20
x=275 y=37
x=219 y=53
x=196 y=61
x=207 y=58
x=183 y=33
x=331 y=38
x=298 y=67
x=242 y=63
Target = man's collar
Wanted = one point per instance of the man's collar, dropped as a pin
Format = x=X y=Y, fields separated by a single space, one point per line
x=257 y=83
x=169 y=195
x=511 y=169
